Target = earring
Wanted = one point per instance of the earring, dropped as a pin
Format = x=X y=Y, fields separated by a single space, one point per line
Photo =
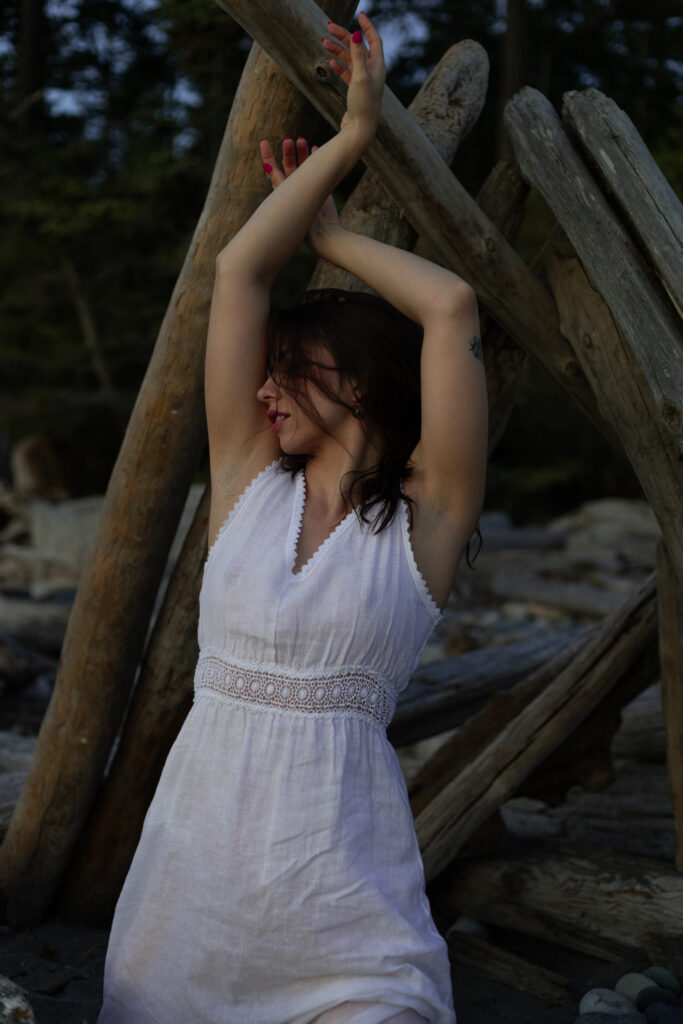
x=356 y=411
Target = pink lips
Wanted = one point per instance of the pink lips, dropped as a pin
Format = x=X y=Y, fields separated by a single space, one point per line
x=276 y=418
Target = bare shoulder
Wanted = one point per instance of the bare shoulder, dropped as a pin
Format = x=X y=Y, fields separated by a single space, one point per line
x=229 y=481
x=440 y=531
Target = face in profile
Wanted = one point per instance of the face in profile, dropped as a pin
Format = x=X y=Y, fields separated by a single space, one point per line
x=305 y=409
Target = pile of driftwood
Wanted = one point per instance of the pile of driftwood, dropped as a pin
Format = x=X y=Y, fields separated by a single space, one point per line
x=599 y=309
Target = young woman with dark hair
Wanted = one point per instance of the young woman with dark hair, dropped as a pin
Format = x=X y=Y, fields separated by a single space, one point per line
x=278 y=878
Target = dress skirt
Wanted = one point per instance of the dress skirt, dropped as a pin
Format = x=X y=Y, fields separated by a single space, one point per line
x=278 y=879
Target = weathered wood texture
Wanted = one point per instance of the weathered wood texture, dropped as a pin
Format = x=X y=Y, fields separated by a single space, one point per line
x=634 y=181
x=160 y=703
x=444 y=694
x=620 y=386
x=670 y=611
x=582 y=758
x=446 y=108
x=546 y=722
x=491 y=962
x=144 y=500
x=585 y=901
x=609 y=255
x=428 y=194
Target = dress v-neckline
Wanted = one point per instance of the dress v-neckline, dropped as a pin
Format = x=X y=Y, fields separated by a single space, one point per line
x=296 y=527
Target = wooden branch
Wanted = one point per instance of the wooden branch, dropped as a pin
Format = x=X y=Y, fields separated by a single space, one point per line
x=147 y=492
x=670 y=609
x=634 y=181
x=585 y=901
x=428 y=194
x=445 y=693
x=549 y=162
x=501 y=767
x=446 y=108
x=621 y=389
x=159 y=706
x=492 y=962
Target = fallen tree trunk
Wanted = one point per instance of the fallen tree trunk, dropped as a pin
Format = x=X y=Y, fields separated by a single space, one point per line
x=587 y=902
x=466 y=802
x=161 y=449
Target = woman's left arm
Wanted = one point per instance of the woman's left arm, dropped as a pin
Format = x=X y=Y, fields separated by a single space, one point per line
x=451 y=457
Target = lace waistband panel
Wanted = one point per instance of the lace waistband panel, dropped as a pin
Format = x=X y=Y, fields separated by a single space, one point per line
x=352 y=691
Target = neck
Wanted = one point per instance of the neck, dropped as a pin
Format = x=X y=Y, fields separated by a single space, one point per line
x=328 y=483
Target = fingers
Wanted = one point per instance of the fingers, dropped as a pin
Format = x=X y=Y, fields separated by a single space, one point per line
x=291 y=153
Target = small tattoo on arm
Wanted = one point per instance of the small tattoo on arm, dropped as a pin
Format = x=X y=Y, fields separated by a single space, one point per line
x=475 y=347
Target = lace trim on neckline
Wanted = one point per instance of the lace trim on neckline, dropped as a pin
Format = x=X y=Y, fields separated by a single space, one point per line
x=231 y=514
x=420 y=581
x=298 y=521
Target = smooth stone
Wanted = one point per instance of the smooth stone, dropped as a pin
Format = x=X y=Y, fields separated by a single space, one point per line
x=605 y=1001
x=662 y=1013
x=663 y=977
x=14 y=1004
x=610 y=1018
x=631 y=984
x=647 y=996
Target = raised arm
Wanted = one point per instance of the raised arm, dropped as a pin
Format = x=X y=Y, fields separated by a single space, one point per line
x=245 y=270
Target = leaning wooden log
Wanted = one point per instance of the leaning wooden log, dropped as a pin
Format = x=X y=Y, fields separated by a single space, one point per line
x=670 y=610
x=616 y=268
x=444 y=694
x=159 y=706
x=584 y=900
x=620 y=386
x=582 y=759
x=499 y=770
x=634 y=181
x=446 y=108
x=144 y=500
x=430 y=196
x=499 y=965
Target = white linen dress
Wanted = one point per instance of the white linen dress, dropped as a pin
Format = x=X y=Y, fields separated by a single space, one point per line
x=278 y=878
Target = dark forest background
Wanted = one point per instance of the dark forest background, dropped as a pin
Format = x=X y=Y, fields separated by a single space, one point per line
x=111 y=114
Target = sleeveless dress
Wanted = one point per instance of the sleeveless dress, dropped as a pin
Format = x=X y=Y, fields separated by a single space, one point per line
x=278 y=875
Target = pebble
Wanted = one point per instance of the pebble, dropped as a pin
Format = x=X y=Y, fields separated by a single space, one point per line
x=14 y=1004
x=631 y=984
x=664 y=978
x=647 y=996
x=605 y=1001
x=471 y=926
x=662 y=1013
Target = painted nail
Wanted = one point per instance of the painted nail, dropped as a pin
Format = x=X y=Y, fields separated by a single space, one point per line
x=267 y=168
x=357 y=36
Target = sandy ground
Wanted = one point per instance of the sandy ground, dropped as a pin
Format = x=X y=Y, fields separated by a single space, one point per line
x=61 y=966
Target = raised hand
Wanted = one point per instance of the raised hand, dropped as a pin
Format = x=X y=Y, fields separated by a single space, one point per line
x=364 y=71
x=326 y=219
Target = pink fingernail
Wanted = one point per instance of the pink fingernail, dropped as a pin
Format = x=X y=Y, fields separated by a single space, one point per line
x=267 y=168
x=357 y=37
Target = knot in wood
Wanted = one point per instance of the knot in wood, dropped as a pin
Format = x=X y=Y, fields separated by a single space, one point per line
x=490 y=245
x=321 y=71
x=587 y=340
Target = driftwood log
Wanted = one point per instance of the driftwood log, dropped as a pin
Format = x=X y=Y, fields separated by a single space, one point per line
x=491 y=778
x=639 y=307
x=595 y=902
x=164 y=691
x=486 y=959
x=161 y=449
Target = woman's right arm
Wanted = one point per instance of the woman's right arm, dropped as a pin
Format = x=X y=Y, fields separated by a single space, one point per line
x=245 y=270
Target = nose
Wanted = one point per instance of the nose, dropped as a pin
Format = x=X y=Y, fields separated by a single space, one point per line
x=268 y=391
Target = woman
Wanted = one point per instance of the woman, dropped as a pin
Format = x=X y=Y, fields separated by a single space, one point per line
x=278 y=878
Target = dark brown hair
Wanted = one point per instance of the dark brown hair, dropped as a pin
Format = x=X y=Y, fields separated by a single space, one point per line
x=376 y=349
